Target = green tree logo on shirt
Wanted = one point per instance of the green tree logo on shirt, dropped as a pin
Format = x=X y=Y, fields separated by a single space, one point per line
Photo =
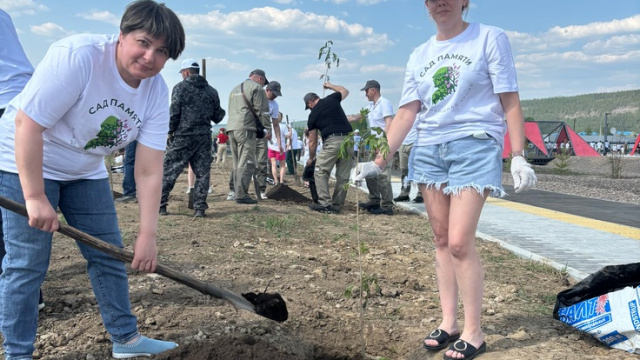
x=112 y=132
x=446 y=81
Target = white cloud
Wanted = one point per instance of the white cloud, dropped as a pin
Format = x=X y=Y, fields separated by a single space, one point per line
x=560 y=37
x=285 y=2
x=260 y=29
x=18 y=7
x=335 y=1
x=369 y=2
x=613 y=44
x=576 y=58
x=50 y=29
x=224 y=64
x=104 y=16
x=382 y=68
x=630 y=24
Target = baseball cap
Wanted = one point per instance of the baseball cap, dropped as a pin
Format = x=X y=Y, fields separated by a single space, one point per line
x=275 y=87
x=357 y=130
x=189 y=64
x=310 y=96
x=261 y=73
x=371 y=84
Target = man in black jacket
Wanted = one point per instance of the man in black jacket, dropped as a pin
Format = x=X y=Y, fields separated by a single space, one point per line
x=194 y=105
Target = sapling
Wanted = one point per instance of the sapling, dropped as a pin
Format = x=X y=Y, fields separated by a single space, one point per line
x=330 y=57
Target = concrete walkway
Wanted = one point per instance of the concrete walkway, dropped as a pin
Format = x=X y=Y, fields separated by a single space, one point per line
x=571 y=233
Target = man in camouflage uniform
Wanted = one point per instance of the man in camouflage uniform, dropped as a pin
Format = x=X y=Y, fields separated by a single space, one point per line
x=194 y=105
x=241 y=128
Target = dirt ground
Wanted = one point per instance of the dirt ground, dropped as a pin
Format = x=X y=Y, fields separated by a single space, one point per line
x=314 y=261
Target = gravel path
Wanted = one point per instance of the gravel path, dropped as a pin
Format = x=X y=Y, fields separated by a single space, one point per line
x=591 y=177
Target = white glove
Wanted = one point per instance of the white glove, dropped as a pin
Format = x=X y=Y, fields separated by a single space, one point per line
x=368 y=169
x=524 y=178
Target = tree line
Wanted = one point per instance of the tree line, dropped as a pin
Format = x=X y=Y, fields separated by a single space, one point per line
x=586 y=113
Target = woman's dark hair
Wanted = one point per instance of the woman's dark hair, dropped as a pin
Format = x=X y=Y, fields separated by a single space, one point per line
x=157 y=20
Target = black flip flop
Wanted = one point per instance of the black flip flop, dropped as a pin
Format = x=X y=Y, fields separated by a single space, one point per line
x=467 y=350
x=442 y=337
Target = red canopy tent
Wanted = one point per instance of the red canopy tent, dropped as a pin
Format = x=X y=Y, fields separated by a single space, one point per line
x=635 y=147
x=532 y=132
x=579 y=146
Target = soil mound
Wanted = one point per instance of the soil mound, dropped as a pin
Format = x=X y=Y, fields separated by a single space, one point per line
x=282 y=192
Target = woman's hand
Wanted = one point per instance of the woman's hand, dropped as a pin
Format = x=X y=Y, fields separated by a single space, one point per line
x=524 y=178
x=41 y=214
x=368 y=169
x=145 y=254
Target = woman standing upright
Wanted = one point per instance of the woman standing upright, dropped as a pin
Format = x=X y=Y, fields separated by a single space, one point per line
x=460 y=85
x=90 y=95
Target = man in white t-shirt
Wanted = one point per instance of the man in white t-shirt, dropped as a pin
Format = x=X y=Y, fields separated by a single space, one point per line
x=274 y=145
x=275 y=151
x=293 y=150
x=380 y=116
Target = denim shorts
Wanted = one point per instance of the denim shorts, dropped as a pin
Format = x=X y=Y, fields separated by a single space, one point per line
x=467 y=163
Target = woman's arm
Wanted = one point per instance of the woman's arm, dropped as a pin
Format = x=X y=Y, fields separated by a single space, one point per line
x=29 y=152
x=148 y=175
x=398 y=130
x=515 y=120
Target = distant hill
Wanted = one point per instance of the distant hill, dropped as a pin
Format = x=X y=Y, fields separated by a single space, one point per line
x=587 y=112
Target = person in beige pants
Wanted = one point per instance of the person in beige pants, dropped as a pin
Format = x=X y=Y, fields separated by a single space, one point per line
x=222 y=139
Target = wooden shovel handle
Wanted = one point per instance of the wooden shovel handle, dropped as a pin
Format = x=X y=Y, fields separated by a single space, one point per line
x=236 y=300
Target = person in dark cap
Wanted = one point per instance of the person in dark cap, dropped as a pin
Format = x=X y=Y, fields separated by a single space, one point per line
x=248 y=122
x=328 y=117
x=272 y=150
x=261 y=74
x=194 y=105
x=380 y=116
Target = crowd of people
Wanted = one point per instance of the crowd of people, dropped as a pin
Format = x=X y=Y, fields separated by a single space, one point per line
x=449 y=130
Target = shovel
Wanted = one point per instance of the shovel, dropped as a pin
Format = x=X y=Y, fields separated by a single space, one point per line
x=271 y=306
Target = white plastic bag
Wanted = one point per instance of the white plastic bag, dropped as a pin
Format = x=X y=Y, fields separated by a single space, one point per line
x=613 y=318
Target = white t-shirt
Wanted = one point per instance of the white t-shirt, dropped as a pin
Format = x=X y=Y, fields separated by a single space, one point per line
x=15 y=68
x=274 y=113
x=273 y=144
x=89 y=111
x=458 y=81
x=296 y=144
x=378 y=111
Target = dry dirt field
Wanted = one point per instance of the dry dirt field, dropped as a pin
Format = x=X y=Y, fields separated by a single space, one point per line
x=315 y=262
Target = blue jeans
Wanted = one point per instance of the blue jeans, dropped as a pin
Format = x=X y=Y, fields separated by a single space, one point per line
x=88 y=206
x=129 y=180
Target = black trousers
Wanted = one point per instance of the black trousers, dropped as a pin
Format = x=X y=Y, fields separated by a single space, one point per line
x=307 y=175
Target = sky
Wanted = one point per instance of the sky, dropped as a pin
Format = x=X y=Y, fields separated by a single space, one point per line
x=561 y=47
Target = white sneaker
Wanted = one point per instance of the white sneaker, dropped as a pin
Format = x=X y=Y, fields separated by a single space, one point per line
x=263 y=196
x=231 y=196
